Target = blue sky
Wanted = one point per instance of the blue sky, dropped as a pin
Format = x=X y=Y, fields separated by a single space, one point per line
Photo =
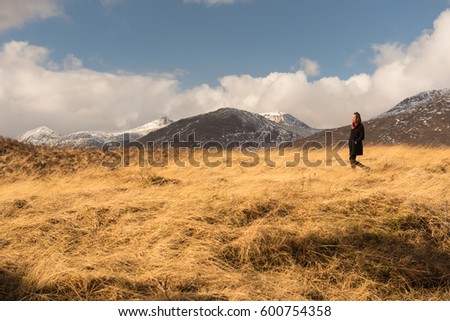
x=141 y=60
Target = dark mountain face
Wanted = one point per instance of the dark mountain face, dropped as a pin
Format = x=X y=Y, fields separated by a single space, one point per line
x=423 y=119
x=226 y=126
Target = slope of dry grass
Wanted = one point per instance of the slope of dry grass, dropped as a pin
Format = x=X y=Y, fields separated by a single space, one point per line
x=71 y=230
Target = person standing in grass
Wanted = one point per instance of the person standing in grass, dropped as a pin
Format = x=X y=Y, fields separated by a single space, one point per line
x=355 y=142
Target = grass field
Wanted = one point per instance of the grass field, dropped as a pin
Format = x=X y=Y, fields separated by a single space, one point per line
x=73 y=230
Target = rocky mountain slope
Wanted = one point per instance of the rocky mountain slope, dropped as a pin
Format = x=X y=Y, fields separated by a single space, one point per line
x=227 y=125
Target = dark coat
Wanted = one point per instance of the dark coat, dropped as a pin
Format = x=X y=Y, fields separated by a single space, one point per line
x=355 y=141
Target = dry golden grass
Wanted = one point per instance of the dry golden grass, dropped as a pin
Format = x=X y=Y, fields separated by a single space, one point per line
x=71 y=230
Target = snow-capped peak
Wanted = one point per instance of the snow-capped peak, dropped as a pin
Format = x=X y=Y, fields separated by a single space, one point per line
x=38 y=133
x=46 y=136
x=284 y=119
x=146 y=128
x=275 y=116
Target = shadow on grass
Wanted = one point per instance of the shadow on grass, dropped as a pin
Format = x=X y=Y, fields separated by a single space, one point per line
x=398 y=259
x=10 y=286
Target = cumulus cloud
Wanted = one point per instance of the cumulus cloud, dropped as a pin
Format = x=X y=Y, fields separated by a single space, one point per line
x=216 y=2
x=16 y=13
x=67 y=96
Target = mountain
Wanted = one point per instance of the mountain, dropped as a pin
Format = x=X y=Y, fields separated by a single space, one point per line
x=44 y=136
x=40 y=136
x=409 y=104
x=423 y=119
x=227 y=125
x=147 y=128
x=285 y=119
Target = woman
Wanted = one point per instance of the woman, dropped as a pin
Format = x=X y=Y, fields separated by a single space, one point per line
x=355 y=141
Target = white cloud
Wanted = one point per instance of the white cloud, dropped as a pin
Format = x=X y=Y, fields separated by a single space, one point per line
x=388 y=53
x=210 y=3
x=310 y=67
x=16 y=13
x=66 y=96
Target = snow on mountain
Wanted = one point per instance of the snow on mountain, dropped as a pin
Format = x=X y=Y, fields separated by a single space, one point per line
x=422 y=119
x=226 y=126
x=147 y=128
x=412 y=102
x=285 y=119
x=40 y=136
x=45 y=136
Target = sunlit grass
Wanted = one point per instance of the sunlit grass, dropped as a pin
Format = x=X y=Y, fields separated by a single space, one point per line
x=72 y=230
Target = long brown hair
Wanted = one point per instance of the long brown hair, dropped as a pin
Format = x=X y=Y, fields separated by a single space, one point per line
x=357 y=121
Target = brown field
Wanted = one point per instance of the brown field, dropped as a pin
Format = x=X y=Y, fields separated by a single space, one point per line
x=72 y=230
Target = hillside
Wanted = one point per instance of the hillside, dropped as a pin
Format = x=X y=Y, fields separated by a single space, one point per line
x=72 y=230
x=420 y=120
x=18 y=159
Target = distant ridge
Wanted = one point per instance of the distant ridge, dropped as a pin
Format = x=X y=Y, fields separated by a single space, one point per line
x=44 y=136
x=422 y=119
